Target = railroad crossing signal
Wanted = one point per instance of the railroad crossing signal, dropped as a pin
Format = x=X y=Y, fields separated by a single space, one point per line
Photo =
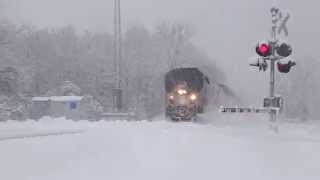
x=274 y=51
x=277 y=49
x=271 y=52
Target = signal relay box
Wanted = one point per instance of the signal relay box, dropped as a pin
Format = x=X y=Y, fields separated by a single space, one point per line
x=273 y=102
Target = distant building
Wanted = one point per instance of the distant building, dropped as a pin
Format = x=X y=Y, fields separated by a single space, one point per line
x=58 y=106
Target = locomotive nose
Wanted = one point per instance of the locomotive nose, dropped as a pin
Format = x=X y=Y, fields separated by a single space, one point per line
x=182 y=100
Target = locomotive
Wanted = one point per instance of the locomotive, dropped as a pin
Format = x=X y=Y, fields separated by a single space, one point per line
x=186 y=93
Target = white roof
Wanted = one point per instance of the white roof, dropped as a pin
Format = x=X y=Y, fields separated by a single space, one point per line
x=58 y=98
x=40 y=99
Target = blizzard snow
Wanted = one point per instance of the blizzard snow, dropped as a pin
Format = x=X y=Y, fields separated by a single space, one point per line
x=224 y=148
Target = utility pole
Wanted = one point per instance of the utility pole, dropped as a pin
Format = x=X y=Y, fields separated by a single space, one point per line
x=117 y=45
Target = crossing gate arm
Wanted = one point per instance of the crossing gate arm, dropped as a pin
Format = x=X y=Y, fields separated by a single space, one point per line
x=246 y=110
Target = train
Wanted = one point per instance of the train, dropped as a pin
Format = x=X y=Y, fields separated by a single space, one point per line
x=186 y=91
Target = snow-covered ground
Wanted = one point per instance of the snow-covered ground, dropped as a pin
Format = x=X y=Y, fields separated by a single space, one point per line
x=220 y=147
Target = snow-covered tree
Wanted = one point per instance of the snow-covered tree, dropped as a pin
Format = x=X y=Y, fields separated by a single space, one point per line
x=67 y=88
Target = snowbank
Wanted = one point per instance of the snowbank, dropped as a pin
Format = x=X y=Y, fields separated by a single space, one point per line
x=224 y=148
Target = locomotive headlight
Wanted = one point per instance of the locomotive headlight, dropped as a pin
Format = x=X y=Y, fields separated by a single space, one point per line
x=182 y=91
x=171 y=97
x=193 y=97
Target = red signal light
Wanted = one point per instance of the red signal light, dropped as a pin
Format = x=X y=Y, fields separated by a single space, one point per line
x=263 y=49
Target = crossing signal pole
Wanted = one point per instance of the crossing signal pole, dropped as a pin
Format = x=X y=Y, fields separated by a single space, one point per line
x=279 y=50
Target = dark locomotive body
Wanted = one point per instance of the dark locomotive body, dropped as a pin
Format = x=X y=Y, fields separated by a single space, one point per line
x=186 y=93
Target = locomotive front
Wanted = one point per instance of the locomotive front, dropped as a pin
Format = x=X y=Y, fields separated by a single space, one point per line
x=184 y=93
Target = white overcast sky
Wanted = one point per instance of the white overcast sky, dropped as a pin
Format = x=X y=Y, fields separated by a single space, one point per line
x=219 y=24
x=226 y=29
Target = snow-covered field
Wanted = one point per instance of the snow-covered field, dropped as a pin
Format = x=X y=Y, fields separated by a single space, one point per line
x=223 y=148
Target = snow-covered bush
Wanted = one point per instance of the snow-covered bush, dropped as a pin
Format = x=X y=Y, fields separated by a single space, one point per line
x=13 y=108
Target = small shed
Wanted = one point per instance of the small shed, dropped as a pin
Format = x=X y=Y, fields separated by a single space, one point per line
x=57 y=106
